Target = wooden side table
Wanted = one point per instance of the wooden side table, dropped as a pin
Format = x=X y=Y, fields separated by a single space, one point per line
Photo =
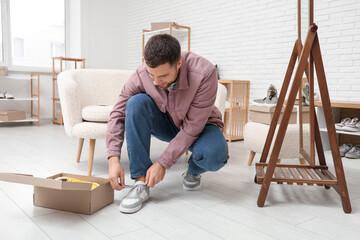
x=236 y=111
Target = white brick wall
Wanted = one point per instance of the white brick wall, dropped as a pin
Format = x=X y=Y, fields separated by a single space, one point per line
x=253 y=40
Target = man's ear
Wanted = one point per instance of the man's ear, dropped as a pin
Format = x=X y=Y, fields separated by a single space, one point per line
x=178 y=65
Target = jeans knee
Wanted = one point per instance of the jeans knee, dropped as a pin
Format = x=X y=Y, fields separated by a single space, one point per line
x=137 y=103
x=212 y=158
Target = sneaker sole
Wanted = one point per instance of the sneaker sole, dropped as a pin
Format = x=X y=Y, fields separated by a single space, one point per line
x=352 y=156
x=351 y=129
x=130 y=210
x=134 y=209
x=191 y=189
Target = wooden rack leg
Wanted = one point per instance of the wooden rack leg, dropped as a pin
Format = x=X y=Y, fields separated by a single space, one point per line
x=331 y=127
x=286 y=116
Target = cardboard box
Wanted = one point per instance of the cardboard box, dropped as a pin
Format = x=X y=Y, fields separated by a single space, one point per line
x=12 y=115
x=3 y=71
x=68 y=196
x=160 y=25
x=264 y=114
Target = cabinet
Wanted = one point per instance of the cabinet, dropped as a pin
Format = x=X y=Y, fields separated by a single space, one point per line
x=63 y=63
x=340 y=111
x=34 y=99
x=236 y=108
x=182 y=33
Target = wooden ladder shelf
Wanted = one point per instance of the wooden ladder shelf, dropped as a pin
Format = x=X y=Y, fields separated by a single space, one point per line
x=311 y=174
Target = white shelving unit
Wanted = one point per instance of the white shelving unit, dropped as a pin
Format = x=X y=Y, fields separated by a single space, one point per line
x=342 y=132
x=340 y=111
x=34 y=98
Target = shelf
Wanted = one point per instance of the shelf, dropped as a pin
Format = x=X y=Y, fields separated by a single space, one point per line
x=166 y=30
x=18 y=77
x=20 y=99
x=24 y=120
x=341 y=132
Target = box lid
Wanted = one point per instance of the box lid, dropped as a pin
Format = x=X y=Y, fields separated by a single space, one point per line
x=44 y=182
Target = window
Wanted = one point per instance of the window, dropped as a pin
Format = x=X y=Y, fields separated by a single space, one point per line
x=57 y=49
x=34 y=30
x=1 y=37
x=18 y=48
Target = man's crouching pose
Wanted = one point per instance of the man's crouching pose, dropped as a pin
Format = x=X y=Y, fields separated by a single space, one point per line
x=170 y=96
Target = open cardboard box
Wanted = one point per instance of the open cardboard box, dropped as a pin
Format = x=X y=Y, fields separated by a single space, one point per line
x=68 y=196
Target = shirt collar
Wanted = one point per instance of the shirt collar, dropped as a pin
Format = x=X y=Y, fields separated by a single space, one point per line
x=172 y=86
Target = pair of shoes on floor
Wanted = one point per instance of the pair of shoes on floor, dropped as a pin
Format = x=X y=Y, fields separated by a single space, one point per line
x=271 y=97
x=349 y=124
x=306 y=95
x=6 y=95
x=348 y=151
x=140 y=193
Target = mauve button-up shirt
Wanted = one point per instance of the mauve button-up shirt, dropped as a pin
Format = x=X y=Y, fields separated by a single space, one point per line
x=190 y=104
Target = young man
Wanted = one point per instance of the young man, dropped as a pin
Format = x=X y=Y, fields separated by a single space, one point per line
x=171 y=96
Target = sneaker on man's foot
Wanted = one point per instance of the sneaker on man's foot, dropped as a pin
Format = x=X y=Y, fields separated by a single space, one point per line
x=191 y=182
x=135 y=198
x=344 y=149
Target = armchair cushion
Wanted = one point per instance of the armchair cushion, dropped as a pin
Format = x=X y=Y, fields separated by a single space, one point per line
x=99 y=113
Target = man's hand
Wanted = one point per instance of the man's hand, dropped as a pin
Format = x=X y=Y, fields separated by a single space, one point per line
x=154 y=174
x=116 y=171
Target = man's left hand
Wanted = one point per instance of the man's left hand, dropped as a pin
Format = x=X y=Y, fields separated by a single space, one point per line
x=154 y=174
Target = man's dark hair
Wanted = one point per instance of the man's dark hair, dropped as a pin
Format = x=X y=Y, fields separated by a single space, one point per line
x=161 y=49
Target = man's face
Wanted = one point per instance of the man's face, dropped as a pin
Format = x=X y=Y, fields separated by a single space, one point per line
x=164 y=75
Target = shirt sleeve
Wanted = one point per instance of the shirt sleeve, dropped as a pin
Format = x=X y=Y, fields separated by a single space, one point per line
x=116 y=124
x=194 y=122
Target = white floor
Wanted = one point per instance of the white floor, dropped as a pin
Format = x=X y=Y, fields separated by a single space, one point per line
x=225 y=208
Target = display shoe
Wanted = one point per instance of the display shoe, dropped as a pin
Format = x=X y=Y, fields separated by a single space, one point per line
x=2 y=95
x=271 y=97
x=352 y=126
x=306 y=95
x=354 y=152
x=340 y=125
x=8 y=95
x=344 y=149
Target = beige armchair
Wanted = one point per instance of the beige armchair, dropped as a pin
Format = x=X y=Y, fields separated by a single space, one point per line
x=87 y=97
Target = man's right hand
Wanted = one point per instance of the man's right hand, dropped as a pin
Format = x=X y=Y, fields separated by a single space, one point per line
x=116 y=171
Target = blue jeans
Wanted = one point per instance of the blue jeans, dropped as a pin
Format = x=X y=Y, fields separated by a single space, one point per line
x=143 y=119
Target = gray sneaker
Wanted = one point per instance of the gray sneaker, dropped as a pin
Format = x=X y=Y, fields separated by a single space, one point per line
x=354 y=152
x=270 y=99
x=191 y=182
x=135 y=198
x=344 y=149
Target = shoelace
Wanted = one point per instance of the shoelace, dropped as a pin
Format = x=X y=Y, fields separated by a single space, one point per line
x=135 y=190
